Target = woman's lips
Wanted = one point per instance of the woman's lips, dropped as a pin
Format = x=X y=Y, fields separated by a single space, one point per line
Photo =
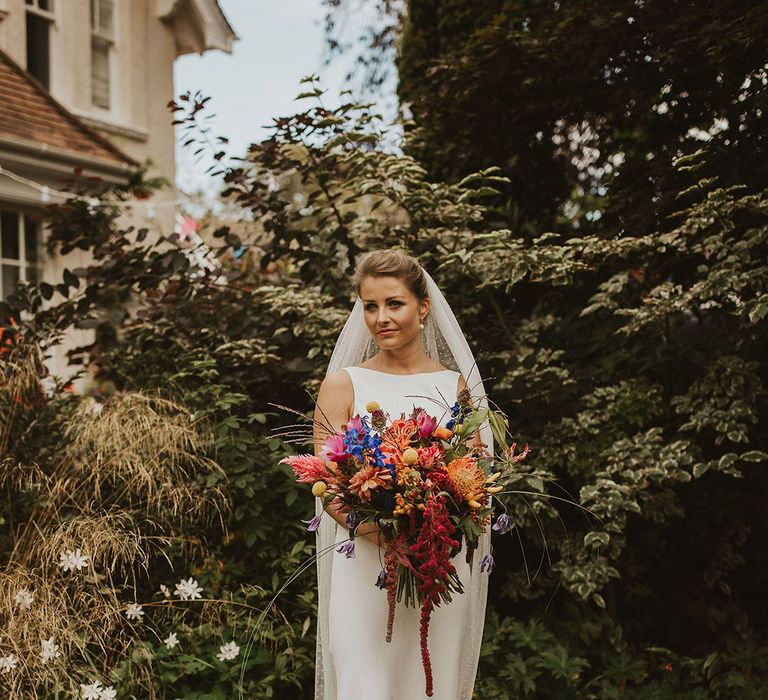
x=387 y=332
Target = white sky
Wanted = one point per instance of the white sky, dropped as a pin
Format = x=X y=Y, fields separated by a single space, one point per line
x=280 y=42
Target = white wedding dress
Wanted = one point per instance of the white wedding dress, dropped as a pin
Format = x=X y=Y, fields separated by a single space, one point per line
x=365 y=666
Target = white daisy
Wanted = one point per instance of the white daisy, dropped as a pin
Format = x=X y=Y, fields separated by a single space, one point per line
x=92 y=691
x=171 y=640
x=70 y=560
x=8 y=663
x=134 y=612
x=188 y=589
x=24 y=598
x=164 y=590
x=228 y=651
x=49 y=651
x=108 y=694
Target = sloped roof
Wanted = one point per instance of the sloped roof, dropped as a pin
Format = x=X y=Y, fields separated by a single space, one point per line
x=29 y=113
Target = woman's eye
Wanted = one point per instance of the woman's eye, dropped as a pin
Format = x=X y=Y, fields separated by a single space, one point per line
x=370 y=307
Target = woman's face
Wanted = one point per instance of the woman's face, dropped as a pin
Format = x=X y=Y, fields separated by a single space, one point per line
x=389 y=305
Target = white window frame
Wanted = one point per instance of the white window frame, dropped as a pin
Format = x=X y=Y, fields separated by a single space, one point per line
x=107 y=38
x=21 y=262
x=33 y=6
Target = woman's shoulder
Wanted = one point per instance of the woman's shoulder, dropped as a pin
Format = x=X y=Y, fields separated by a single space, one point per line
x=339 y=379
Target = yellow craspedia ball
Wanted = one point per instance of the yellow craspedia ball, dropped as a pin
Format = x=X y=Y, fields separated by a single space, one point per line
x=410 y=456
x=372 y=406
x=318 y=488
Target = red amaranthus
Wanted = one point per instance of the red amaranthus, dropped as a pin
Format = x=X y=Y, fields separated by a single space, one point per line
x=433 y=549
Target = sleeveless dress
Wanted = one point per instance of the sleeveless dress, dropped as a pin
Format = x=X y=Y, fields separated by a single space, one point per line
x=365 y=665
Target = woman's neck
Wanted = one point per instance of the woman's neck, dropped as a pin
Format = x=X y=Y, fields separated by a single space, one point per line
x=411 y=363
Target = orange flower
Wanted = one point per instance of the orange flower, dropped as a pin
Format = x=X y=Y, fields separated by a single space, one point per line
x=367 y=479
x=401 y=432
x=468 y=479
x=442 y=433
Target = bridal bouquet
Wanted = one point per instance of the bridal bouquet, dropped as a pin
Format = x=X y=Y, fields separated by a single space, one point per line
x=425 y=487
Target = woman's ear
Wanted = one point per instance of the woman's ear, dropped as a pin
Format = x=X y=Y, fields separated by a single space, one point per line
x=424 y=309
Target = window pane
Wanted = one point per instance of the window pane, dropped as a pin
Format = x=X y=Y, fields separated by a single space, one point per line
x=100 y=73
x=38 y=56
x=106 y=14
x=10 y=275
x=31 y=238
x=32 y=274
x=45 y=5
x=9 y=235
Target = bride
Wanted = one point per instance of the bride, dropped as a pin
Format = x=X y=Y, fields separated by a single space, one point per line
x=401 y=346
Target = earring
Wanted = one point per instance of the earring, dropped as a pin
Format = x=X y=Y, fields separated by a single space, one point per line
x=421 y=325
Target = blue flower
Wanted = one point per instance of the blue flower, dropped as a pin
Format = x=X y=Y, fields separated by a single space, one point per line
x=347 y=549
x=381 y=581
x=487 y=561
x=313 y=524
x=502 y=524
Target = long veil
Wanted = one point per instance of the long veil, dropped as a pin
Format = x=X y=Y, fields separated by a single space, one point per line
x=444 y=342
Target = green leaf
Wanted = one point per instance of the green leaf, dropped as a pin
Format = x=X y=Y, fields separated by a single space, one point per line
x=754 y=456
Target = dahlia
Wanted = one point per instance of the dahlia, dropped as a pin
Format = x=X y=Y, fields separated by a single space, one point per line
x=367 y=479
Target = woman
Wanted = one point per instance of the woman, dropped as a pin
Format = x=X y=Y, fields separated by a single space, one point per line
x=400 y=343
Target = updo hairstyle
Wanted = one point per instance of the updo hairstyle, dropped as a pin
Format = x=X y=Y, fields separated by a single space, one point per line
x=392 y=263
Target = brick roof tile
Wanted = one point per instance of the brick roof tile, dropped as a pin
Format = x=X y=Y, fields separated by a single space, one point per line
x=27 y=111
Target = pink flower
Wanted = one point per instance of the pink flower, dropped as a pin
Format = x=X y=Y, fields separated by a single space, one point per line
x=355 y=423
x=430 y=456
x=426 y=423
x=308 y=468
x=334 y=448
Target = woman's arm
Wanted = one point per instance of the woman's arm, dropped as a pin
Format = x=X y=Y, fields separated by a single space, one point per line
x=333 y=406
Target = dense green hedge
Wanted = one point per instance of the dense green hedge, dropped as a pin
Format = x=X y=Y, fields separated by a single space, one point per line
x=632 y=364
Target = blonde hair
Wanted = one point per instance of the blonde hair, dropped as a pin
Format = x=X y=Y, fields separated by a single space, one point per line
x=392 y=263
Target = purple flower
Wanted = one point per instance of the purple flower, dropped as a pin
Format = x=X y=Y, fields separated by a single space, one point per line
x=381 y=581
x=347 y=549
x=352 y=520
x=312 y=524
x=487 y=561
x=502 y=524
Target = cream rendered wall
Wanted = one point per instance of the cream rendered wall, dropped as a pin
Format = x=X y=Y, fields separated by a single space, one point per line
x=138 y=121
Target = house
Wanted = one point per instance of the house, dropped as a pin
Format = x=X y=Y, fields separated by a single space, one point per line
x=85 y=83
